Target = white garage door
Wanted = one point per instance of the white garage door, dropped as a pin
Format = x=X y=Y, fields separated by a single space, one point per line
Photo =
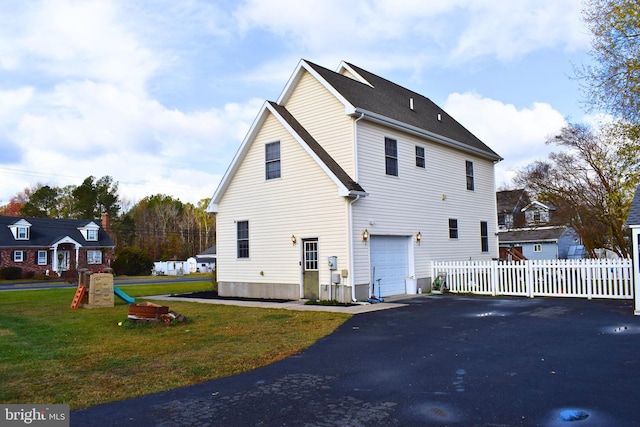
x=389 y=258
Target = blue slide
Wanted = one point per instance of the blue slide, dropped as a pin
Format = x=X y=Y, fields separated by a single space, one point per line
x=124 y=297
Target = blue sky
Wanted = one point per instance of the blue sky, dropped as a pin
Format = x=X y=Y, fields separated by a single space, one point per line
x=159 y=94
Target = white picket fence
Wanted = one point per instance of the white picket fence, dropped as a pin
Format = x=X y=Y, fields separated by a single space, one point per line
x=585 y=278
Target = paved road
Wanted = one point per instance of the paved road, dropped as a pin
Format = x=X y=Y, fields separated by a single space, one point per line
x=118 y=281
x=438 y=361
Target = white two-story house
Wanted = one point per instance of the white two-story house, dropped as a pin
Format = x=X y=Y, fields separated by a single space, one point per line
x=349 y=185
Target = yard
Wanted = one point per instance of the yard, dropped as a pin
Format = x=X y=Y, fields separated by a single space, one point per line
x=53 y=354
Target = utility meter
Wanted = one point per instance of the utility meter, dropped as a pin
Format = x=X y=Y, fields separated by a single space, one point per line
x=333 y=263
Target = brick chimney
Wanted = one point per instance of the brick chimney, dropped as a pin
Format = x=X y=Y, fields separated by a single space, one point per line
x=106 y=222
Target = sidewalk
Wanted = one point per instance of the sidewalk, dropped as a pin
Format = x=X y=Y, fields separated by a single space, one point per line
x=389 y=303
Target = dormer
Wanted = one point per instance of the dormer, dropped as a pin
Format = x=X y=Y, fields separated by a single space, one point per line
x=21 y=230
x=537 y=213
x=90 y=232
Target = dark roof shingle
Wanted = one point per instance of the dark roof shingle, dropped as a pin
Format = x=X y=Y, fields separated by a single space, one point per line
x=391 y=100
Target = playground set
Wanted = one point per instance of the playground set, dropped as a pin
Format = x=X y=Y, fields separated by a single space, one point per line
x=97 y=290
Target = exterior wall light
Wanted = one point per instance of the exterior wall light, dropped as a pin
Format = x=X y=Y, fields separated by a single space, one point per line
x=418 y=237
x=294 y=240
x=365 y=234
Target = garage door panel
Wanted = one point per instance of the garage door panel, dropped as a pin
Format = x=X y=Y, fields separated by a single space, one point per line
x=389 y=259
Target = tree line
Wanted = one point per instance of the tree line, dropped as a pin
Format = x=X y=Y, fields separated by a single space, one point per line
x=160 y=226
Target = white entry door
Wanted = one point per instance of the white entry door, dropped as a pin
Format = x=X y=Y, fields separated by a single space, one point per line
x=389 y=260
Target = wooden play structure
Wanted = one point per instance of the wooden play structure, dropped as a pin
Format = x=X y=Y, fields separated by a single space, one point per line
x=97 y=290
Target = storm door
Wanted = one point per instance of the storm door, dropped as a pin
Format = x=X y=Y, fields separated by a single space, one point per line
x=311 y=278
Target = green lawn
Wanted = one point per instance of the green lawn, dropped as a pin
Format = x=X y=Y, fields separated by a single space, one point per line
x=50 y=353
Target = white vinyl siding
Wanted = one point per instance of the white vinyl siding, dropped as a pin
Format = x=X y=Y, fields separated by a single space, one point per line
x=421 y=200
x=303 y=203
x=322 y=115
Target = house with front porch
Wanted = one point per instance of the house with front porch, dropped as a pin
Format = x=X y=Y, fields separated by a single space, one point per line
x=350 y=185
x=53 y=246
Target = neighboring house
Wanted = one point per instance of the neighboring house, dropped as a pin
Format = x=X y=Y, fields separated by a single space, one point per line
x=350 y=181
x=633 y=222
x=510 y=204
x=50 y=245
x=551 y=242
x=206 y=260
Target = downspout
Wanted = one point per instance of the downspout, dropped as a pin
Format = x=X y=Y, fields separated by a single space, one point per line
x=351 y=254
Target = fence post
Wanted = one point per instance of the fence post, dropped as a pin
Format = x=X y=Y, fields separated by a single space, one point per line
x=529 y=277
x=589 y=281
x=494 y=277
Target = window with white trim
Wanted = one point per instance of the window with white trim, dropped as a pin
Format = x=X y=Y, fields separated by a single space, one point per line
x=469 y=173
x=391 y=156
x=92 y=235
x=537 y=247
x=242 y=235
x=94 y=257
x=484 y=236
x=42 y=257
x=272 y=160
x=420 y=157
x=23 y=233
x=18 y=256
x=453 y=228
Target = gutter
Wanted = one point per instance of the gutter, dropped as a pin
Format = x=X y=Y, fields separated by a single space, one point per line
x=380 y=119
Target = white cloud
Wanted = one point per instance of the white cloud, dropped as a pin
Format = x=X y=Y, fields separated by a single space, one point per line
x=454 y=31
x=518 y=135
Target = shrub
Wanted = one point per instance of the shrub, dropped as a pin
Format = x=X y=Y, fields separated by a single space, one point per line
x=28 y=274
x=10 y=273
x=132 y=262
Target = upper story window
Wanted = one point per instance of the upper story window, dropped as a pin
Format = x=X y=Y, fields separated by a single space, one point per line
x=23 y=233
x=391 y=156
x=272 y=160
x=453 y=228
x=92 y=235
x=420 y=157
x=469 y=172
x=242 y=236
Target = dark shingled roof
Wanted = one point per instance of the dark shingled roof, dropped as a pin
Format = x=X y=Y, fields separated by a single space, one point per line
x=46 y=231
x=390 y=100
x=634 y=212
x=333 y=166
x=531 y=235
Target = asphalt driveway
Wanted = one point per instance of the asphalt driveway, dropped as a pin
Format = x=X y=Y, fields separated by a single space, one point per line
x=438 y=361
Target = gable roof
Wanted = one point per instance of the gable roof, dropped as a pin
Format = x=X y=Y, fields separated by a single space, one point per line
x=317 y=149
x=633 y=219
x=535 y=205
x=383 y=101
x=370 y=97
x=346 y=185
x=44 y=232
